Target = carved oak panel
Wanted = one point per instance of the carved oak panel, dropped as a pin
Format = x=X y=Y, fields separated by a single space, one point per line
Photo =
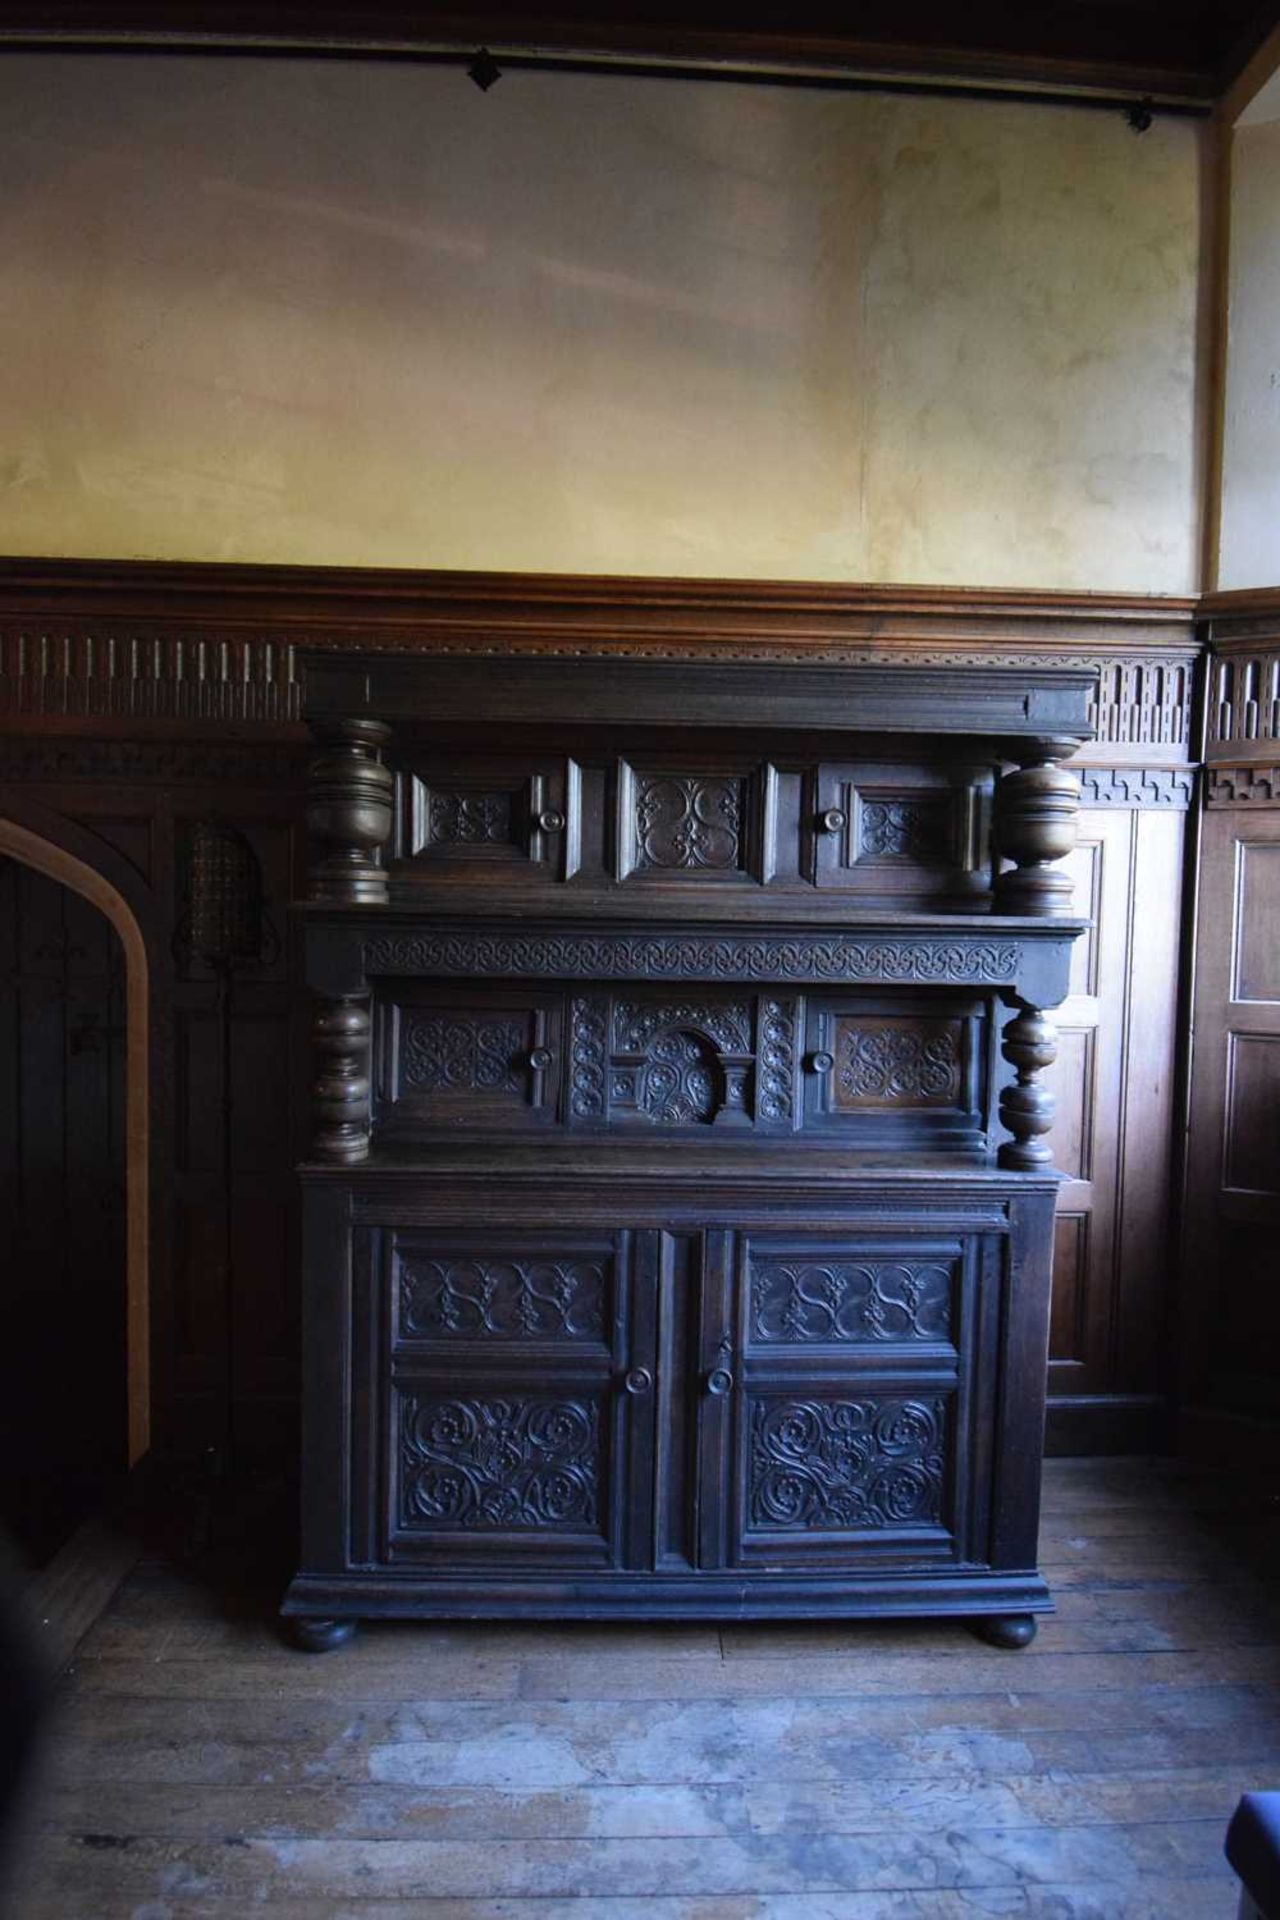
x=899 y=835
x=562 y=1297
x=482 y=815
x=798 y=1300
x=709 y=1059
x=840 y=1464
x=692 y=824
x=882 y=1075
x=884 y=1060
x=515 y=1463
x=445 y=1057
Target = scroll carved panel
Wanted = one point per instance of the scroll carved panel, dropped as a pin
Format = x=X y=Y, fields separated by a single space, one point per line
x=499 y=1464
x=684 y=822
x=818 y=1464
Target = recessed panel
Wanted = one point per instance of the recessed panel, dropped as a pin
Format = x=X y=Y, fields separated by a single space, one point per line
x=1070 y=1272
x=839 y=1463
x=1257 y=927
x=1071 y=1081
x=1253 y=1113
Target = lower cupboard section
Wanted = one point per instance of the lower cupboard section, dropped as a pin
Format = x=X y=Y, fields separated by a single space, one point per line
x=813 y=1406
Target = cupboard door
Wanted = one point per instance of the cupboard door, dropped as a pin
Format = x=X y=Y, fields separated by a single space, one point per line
x=465 y=1057
x=900 y=836
x=844 y=1427
x=517 y=1415
x=480 y=818
x=909 y=1072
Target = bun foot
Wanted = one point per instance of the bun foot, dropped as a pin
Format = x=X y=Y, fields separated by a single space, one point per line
x=1007 y=1630
x=318 y=1636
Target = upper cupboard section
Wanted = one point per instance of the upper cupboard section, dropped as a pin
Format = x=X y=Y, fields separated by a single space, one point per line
x=647 y=823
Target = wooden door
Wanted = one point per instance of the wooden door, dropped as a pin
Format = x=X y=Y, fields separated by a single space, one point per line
x=518 y=1395
x=62 y=1213
x=839 y=1396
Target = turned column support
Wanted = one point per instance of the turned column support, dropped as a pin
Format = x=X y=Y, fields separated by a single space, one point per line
x=348 y=812
x=340 y=1093
x=1036 y=808
x=1030 y=1043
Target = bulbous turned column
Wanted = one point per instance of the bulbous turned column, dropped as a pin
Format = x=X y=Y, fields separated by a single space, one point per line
x=348 y=812
x=1030 y=1042
x=340 y=1092
x=1036 y=809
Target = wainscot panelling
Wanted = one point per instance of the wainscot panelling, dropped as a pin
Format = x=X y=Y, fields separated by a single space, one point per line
x=137 y=698
x=1230 y=1301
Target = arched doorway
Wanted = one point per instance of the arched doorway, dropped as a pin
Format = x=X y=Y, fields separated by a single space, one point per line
x=74 y=1098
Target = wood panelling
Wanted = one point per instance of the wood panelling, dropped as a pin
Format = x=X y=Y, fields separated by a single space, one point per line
x=127 y=682
x=1230 y=1305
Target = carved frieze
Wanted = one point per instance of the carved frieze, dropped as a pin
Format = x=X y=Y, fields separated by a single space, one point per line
x=1244 y=701
x=1242 y=786
x=1164 y=787
x=841 y=1465
x=933 y=960
x=552 y=1298
x=798 y=1302
x=501 y=1464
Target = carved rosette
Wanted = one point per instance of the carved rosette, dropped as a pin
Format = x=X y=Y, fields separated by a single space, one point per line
x=1037 y=807
x=349 y=812
x=340 y=1094
x=1030 y=1042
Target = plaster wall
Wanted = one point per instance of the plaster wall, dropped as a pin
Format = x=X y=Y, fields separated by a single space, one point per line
x=362 y=314
x=1249 y=549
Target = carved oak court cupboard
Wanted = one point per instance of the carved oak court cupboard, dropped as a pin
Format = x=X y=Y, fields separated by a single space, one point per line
x=678 y=1222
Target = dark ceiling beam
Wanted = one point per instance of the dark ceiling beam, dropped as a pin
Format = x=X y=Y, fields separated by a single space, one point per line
x=1113 y=50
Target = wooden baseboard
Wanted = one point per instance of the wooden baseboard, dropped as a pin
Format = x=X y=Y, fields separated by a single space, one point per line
x=1222 y=1437
x=1109 y=1423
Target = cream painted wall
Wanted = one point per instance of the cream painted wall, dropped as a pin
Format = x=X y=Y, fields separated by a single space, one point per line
x=1249 y=543
x=363 y=314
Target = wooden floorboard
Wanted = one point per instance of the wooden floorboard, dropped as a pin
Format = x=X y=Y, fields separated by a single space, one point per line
x=196 y=1766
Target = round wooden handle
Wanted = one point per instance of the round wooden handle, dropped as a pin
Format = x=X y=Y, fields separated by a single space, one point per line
x=833 y=820
x=551 y=821
x=821 y=1062
x=639 y=1380
x=720 y=1381
x=540 y=1058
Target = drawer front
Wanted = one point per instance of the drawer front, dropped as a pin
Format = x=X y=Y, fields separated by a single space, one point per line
x=848 y=1428
x=514 y=1419
x=476 y=817
x=898 y=836
x=465 y=1058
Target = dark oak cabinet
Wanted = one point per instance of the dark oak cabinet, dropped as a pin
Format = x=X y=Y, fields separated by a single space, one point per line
x=679 y=1219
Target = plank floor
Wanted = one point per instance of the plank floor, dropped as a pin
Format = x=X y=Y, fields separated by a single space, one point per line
x=195 y=1766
